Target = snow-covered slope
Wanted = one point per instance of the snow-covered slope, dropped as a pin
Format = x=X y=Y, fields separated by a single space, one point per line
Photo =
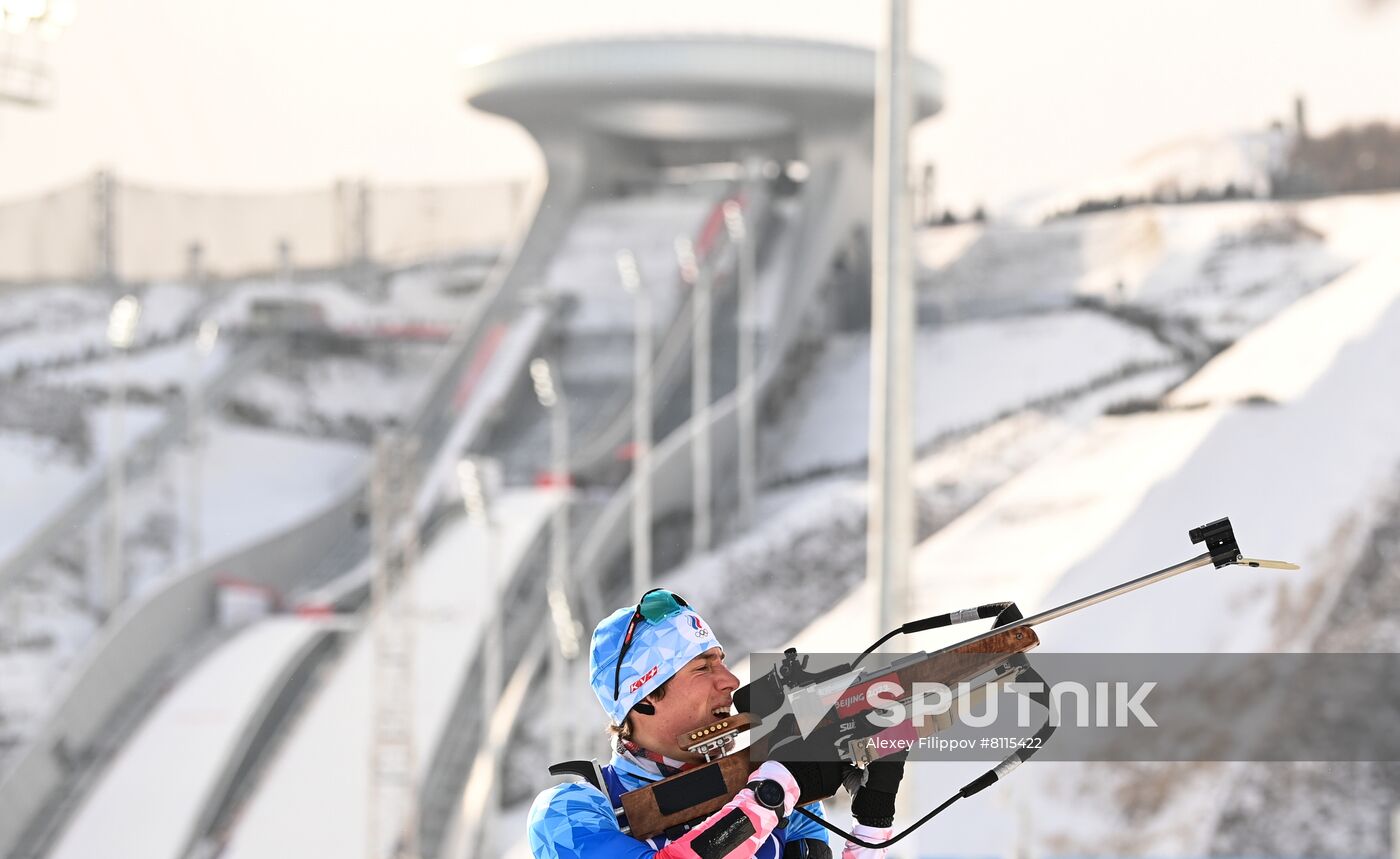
x=1179 y=170
x=1301 y=472
x=312 y=801
x=254 y=484
x=1208 y=273
x=968 y=374
x=53 y=351
x=1301 y=480
x=585 y=266
x=176 y=760
x=63 y=324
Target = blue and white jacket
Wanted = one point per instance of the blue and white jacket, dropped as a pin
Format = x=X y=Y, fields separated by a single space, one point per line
x=576 y=821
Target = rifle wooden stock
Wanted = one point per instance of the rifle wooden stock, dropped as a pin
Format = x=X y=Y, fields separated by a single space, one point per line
x=684 y=797
x=697 y=793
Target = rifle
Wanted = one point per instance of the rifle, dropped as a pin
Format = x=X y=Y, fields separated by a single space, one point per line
x=668 y=805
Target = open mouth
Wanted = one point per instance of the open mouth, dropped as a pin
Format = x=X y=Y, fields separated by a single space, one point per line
x=720 y=712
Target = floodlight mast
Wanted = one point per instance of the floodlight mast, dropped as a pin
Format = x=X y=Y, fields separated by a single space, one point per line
x=121 y=334
x=195 y=436
x=472 y=481
x=891 y=530
x=631 y=279
x=393 y=813
x=739 y=236
x=550 y=394
x=697 y=277
x=25 y=31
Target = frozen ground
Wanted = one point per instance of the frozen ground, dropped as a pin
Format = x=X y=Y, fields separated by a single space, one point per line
x=69 y=325
x=346 y=394
x=254 y=483
x=1181 y=169
x=1040 y=508
x=45 y=621
x=39 y=473
x=1118 y=503
x=1046 y=503
x=175 y=761
x=409 y=298
x=967 y=375
x=1351 y=804
x=1214 y=270
x=347 y=389
x=585 y=266
x=165 y=369
x=312 y=800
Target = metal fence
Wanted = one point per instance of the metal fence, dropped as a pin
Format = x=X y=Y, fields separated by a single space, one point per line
x=104 y=227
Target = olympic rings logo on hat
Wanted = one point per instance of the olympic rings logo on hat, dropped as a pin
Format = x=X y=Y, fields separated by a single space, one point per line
x=700 y=630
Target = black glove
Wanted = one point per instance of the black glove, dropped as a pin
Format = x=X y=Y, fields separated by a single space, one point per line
x=816 y=779
x=874 y=801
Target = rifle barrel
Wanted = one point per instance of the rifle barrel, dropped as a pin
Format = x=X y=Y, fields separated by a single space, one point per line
x=1093 y=599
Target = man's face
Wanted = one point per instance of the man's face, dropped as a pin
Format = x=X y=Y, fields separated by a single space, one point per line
x=700 y=693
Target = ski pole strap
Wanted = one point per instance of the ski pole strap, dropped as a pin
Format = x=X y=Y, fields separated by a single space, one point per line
x=1003 y=612
x=981 y=612
x=1027 y=674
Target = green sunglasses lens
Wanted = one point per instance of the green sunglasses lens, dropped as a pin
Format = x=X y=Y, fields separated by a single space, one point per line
x=658 y=605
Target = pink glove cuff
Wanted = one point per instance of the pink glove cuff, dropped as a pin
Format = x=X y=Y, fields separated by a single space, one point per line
x=779 y=773
x=867 y=833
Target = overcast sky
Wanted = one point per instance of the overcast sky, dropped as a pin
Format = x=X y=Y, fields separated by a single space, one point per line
x=262 y=94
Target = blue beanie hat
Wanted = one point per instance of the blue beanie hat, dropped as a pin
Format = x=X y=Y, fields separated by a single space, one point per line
x=667 y=635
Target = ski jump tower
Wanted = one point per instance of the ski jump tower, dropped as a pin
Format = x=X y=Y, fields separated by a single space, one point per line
x=613 y=116
x=603 y=111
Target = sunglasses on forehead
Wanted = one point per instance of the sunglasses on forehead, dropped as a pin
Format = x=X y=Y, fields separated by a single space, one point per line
x=655 y=604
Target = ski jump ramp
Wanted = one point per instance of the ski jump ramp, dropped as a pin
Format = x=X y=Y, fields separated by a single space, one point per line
x=185 y=753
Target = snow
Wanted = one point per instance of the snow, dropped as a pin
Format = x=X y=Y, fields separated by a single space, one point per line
x=1246 y=160
x=40 y=474
x=939 y=248
x=175 y=761
x=968 y=374
x=585 y=266
x=1025 y=534
x=1206 y=262
x=312 y=800
x=1284 y=358
x=44 y=624
x=415 y=297
x=421 y=290
x=1027 y=492
x=320 y=393
x=80 y=337
x=41 y=307
x=154 y=370
x=1049 y=489
x=255 y=484
x=1117 y=504
x=63 y=324
x=1288 y=495
x=1288 y=498
x=1356 y=226
x=1221 y=268
x=1112 y=501
x=165 y=308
